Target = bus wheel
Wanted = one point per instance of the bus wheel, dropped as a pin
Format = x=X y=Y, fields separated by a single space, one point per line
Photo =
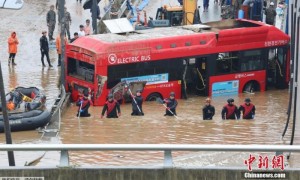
x=251 y=87
x=153 y=97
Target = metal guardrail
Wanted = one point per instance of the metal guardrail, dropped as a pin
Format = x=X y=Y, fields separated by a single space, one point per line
x=53 y=127
x=167 y=148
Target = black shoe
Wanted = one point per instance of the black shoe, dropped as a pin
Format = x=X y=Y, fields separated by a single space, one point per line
x=58 y=65
x=44 y=65
x=9 y=62
x=14 y=64
x=50 y=65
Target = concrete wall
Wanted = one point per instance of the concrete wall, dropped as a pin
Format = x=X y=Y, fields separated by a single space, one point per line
x=134 y=173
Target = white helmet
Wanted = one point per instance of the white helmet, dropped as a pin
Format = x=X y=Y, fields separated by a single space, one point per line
x=271 y=3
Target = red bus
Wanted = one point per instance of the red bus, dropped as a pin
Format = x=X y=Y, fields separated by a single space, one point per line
x=211 y=59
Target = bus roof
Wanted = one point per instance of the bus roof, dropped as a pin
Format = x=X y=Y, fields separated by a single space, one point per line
x=215 y=27
x=212 y=34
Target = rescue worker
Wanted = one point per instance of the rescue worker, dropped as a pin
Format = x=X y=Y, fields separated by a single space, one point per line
x=230 y=111
x=83 y=104
x=58 y=48
x=248 y=109
x=44 y=47
x=208 y=110
x=137 y=102
x=12 y=47
x=112 y=107
x=51 y=21
x=68 y=22
x=171 y=104
x=270 y=13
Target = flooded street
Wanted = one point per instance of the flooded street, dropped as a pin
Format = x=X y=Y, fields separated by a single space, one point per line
x=153 y=128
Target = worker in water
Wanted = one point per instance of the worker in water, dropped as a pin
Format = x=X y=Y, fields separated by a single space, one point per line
x=248 y=109
x=171 y=104
x=208 y=110
x=230 y=111
x=112 y=107
x=83 y=103
x=137 y=102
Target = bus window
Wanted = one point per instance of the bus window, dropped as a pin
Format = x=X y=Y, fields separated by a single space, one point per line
x=227 y=63
x=80 y=70
x=252 y=60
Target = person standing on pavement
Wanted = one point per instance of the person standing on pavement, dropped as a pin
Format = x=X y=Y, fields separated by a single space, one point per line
x=12 y=48
x=205 y=5
x=81 y=31
x=68 y=22
x=75 y=37
x=58 y=48
x=87 y=27
x=114 y=11
x=270 y=13
x=208 y=110
x=44 y=47
x=51 y=21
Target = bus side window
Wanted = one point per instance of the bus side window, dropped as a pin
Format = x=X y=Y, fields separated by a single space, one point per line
x=252 y=60
x=227 y=63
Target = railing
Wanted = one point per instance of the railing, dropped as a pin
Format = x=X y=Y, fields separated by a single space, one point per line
x=167 y=148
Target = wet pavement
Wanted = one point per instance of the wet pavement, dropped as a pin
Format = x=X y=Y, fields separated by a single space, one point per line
x=149 y=129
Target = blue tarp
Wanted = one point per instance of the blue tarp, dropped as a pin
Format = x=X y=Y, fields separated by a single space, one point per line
x=140 y=7
x=143 y=4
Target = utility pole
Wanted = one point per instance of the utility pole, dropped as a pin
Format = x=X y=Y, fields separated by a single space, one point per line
x=61 y=9
x=11 y=158
x=94 y=16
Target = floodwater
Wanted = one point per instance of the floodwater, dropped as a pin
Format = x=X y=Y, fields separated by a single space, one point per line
x=153 y=128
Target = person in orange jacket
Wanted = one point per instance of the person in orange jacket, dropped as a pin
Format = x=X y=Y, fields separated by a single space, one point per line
x=58 y=47
x=12 y=47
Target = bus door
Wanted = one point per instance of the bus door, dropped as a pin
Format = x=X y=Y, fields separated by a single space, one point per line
x=197 y=76
x=277 y=64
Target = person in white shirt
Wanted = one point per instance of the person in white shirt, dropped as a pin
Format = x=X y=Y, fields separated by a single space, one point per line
x=81 y=31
